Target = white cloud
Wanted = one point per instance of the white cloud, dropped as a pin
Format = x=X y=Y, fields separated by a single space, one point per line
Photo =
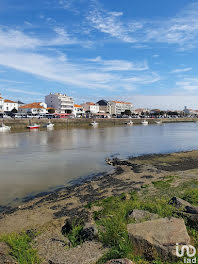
x=15 y=39
x=188 y=84
x=181 y=70
x=110 y=23
x=24 y=91
x=110 y=75
x=119 y=65
x=181 y=29
x=144 y=79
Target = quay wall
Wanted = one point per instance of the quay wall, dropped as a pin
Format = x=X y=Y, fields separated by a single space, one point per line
x=83 y=122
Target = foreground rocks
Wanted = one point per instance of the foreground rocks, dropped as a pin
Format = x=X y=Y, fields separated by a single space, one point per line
x=157 y=238
x=141 y=215
x=186 y=210
x=87 y=253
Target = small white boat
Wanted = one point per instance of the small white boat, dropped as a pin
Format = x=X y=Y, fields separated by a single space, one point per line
x=158 y=122
x=130 y=123
x=49 y=125
x=35 y=126
x=144 y=122
x=94 y=124
x=4 y=128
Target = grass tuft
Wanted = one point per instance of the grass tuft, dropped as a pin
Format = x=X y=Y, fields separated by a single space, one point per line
x=21 y=248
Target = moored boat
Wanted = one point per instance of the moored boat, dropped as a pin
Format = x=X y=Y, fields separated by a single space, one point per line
x=35 y=126
x=158 y=122
x=49 y=125
x=4 y=128
x=129 y=123
x=94 y=124
x=144 y=122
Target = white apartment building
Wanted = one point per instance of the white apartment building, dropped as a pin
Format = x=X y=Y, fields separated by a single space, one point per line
x=78 y=110
x=91 y=107
x=9 y=105
x=61 y=102
x=1 y=104
x=33 y=108
x=117 y=107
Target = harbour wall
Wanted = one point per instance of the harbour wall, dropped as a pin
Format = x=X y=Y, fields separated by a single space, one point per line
x=84 y=122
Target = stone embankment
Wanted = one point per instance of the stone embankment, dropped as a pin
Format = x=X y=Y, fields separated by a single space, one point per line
x=84 y=122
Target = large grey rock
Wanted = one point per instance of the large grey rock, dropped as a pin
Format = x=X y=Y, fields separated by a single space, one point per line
x=120 y=261
x=158 y=238
x=183 y=205
x=141 y=215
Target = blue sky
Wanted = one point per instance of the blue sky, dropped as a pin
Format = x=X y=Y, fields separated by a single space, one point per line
x=92 y=49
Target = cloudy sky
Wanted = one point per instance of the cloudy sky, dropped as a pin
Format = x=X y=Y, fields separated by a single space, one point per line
x=142 y=51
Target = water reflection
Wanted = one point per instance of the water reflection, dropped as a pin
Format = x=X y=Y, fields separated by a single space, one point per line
x=33 y=162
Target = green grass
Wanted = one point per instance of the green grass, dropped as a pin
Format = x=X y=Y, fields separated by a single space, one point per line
x=21 y=248
x=191 y=196
x=74 y=235
x=112 y=220
x=162 y=184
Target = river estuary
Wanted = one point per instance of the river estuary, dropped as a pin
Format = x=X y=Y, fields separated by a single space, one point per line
x=36 y=161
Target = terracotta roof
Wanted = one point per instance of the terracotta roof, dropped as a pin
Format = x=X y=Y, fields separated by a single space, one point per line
x=50 y=108
x=8 y=101
x=32 y=105
x=120 y=102
x=90 y=103
x=76 y=105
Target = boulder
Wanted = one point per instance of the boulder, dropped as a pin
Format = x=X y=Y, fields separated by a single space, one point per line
x=120 y=261
x=183 y=205
x=191 y=219
x=89 y=232
x=158 y=238
x=141 y=215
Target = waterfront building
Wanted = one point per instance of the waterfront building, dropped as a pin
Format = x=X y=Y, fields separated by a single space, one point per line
x=9 y=105
x=103 y=106
x=118 y=107
x=1 y=104
x=78 y=110
x=140 y=111
x=33 y=108
x=20 y=103
x=61 y=102
x=91 y=107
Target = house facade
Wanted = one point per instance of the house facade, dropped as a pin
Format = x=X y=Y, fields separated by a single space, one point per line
x=78 y=110
x=61 y=102
x=91 y=107
x=33 y=108
x=9 y=105
x=118 y=107
x=103 y=106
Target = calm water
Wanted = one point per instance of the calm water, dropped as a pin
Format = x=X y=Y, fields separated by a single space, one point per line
x=36 y=161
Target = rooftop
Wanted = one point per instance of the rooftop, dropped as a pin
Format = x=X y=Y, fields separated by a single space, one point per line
x=32 y=105
x=8 y=101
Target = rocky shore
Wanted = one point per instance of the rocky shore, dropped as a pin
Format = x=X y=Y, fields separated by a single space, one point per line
x=136 y=214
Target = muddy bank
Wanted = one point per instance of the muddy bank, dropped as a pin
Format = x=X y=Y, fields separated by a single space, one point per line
x=148 y=176
x=129 y=175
